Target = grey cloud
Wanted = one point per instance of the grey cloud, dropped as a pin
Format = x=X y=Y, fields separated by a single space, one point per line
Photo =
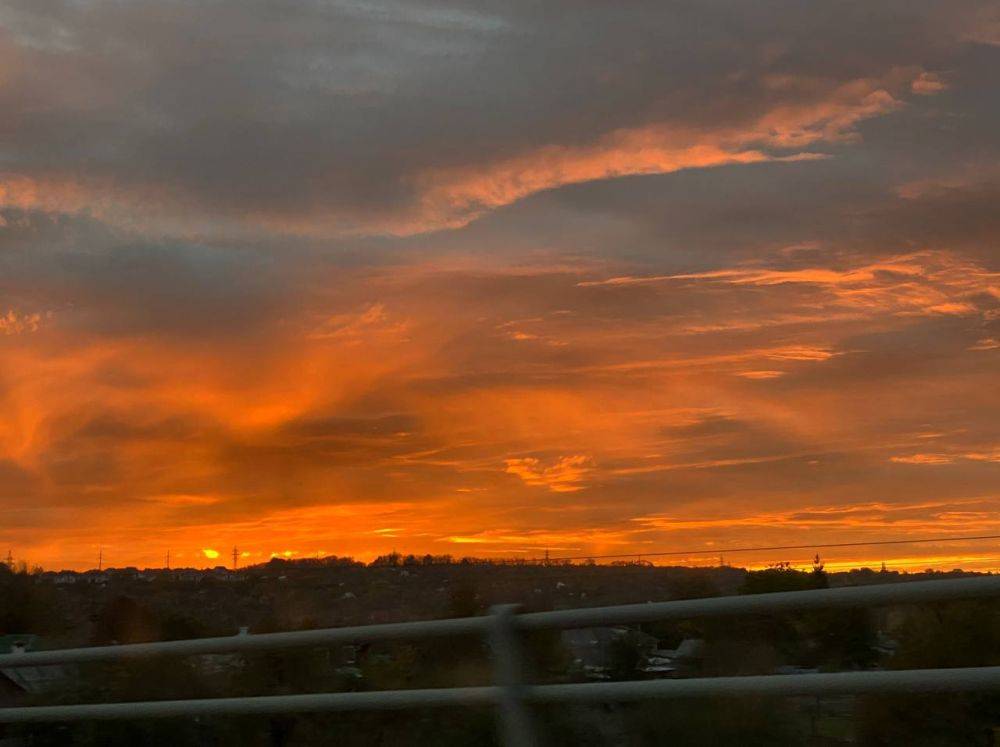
x=103 y=282
x=333 y=108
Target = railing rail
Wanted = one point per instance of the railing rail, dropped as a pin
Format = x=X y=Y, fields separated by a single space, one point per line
x=510 y=694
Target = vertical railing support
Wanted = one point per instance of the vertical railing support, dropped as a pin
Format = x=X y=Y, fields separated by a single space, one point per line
x=516 y=728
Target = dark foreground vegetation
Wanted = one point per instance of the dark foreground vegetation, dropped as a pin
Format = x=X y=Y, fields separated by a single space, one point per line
x=128 y=606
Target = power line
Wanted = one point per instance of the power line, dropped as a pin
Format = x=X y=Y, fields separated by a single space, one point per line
x=815 y=546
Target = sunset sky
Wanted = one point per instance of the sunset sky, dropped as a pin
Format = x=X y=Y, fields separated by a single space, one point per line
x=495 y=278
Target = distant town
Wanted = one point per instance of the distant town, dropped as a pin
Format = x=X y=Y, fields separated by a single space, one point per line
x=110 y=606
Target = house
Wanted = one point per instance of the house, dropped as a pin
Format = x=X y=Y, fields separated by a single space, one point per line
x=18 y=684
x=594 y=649
x=671 y=662
x=29 y=680
x=13 y=685
x=690 y=650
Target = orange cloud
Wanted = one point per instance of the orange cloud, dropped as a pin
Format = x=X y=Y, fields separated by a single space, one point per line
x=934 y=459
x=565 y=475
x=760 y=374
x=16 y=323
x=926 y=282
x=453 y=197
x=347 y=425
x=928 y=84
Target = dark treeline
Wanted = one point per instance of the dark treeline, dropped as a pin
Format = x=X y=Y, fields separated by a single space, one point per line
x=289 y=595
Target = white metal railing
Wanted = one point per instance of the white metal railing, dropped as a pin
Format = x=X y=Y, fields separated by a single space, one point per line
x=510 y=693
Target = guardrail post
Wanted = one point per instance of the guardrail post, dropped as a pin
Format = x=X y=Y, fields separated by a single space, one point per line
x=516 y=728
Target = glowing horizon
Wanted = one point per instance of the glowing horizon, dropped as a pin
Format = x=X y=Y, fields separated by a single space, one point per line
x=983 y=562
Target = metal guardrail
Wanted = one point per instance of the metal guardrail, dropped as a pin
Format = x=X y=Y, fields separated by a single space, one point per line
x=510 y=693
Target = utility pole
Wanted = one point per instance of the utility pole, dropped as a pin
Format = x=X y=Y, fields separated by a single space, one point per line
x=100 y=559
x=168 y=560
x=236 y=557
x=10 y=559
